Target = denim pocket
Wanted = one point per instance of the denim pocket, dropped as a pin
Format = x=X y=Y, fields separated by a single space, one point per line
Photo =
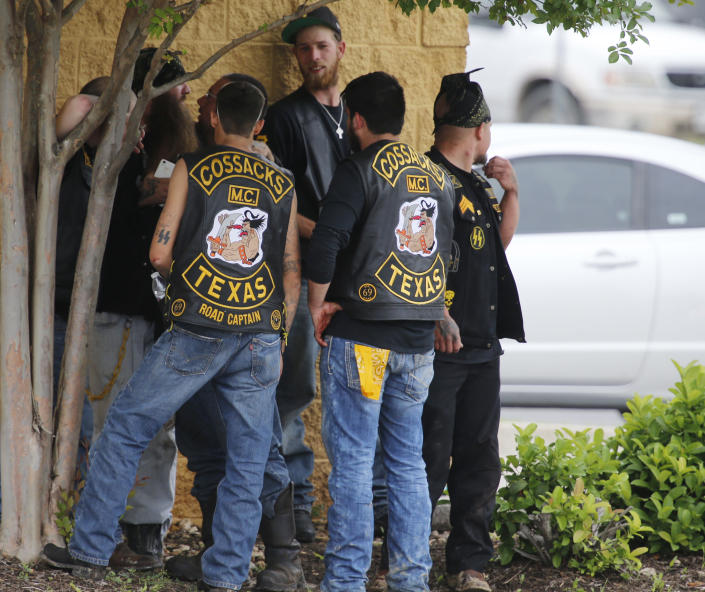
x=190 y=353
x=420 y=375
x=265 y=359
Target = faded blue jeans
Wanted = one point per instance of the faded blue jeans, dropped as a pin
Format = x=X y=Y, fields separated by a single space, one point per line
x=243 y=369
x=200 y=436
x=350 y=425
x=296 y=390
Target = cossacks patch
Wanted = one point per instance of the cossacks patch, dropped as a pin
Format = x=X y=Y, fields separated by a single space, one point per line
x=236 y=236
x=416 y=227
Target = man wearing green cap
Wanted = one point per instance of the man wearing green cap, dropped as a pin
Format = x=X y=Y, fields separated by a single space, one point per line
x=461 y=414
x=306 y=130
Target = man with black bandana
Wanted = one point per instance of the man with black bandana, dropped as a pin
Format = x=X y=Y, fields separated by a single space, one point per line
x=306 y=131
x=461 y=414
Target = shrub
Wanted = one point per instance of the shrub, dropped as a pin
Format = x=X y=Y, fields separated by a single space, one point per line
x=553 y=508
x=660 y=447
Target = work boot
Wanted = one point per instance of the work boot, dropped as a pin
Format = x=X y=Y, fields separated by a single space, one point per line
x=188 y=567
x=125 y=558
x=305 y=532
x=284 y=572
x=144 y=540
x=59 y=557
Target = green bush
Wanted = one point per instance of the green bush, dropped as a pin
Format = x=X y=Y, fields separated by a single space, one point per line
x=582 y=500
x=553 y=508
x=660 y=447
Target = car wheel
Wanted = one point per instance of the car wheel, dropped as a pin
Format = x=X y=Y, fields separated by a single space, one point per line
x=550 y=103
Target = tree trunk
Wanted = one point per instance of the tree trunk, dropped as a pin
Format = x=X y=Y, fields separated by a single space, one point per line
x=20 y=530
x=51 y=169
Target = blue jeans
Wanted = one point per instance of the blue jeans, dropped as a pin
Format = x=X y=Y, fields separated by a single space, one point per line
x=243 y=369
x=296 y=390
x=200 y=436
x=350 y=426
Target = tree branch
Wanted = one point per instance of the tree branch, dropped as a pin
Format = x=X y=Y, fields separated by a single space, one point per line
x=69 y=11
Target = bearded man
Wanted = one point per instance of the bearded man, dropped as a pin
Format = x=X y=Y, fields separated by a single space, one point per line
x=306 y=131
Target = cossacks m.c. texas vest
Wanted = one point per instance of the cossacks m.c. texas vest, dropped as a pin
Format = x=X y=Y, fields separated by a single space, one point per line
x=227 y=270
x=395 y=265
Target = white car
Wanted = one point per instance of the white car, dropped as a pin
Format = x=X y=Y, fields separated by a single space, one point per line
x=566 y=78
x=609 y=260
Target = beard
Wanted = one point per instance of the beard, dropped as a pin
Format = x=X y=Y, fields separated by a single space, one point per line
x=355 y=145
x=314 y=81
x=481 y=159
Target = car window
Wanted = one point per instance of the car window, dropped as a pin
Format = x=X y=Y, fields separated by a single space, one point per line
x=674 y=200
x=574 y=193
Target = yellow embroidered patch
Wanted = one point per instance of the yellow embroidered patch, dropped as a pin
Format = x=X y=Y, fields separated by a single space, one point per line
x=371 y=363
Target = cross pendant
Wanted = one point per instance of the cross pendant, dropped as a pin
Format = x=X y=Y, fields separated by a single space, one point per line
x=339 y=131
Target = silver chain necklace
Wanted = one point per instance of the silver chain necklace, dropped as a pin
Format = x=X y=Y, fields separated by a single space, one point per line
x=338 y=129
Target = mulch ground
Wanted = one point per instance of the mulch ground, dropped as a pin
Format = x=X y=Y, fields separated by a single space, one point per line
x=682 y=573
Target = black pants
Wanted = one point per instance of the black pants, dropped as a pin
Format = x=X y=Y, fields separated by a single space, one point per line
x=460 y=423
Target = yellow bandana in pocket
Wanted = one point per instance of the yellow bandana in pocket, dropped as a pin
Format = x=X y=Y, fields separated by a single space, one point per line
x=371 y=363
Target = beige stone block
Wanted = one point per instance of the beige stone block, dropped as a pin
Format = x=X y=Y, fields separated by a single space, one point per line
x=95 y=58
x=96 y=19
x=419 y=70
x=376 y=22
x=447 y=27
x=285 y=73
x=68 y=70
x=356 y=62
x=208 y=24
x=245 y=16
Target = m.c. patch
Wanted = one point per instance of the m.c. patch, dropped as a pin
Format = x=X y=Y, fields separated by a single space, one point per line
x=242 y=170
x=396 y=158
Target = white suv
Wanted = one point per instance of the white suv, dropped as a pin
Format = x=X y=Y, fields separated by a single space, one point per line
x=565 y=78
x=609 y=260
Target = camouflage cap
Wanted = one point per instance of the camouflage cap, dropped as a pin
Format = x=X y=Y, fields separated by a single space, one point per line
x=460 y=102
x=172 y=68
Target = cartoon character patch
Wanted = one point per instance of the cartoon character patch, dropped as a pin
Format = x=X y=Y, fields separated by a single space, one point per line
x=416 y=229
x=236 y=236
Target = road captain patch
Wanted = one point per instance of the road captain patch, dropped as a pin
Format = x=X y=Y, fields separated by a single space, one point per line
x=395 y=158
x=416 y=226
x=236 y=236
x=411 y=286
x=216 y=168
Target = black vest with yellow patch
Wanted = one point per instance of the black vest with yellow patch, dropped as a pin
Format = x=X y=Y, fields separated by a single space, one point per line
x=395 y=265
x=227 y=270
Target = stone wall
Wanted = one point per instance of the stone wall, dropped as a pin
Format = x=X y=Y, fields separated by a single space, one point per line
x=418 y=50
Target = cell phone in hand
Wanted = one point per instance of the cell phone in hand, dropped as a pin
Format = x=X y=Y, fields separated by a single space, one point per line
x=164 y=169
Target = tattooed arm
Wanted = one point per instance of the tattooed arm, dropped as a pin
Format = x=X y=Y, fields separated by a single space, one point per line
x=162 y=249
x=447 y=336
x=291 y=267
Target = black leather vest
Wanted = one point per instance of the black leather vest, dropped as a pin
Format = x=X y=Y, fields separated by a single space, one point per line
x=322 y=149
x=395 y=266
x=474 y=278
x=227 y=270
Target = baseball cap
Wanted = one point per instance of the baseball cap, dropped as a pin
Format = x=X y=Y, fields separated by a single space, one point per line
x=322 y=16
x=460 y=102
x=172 y=68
